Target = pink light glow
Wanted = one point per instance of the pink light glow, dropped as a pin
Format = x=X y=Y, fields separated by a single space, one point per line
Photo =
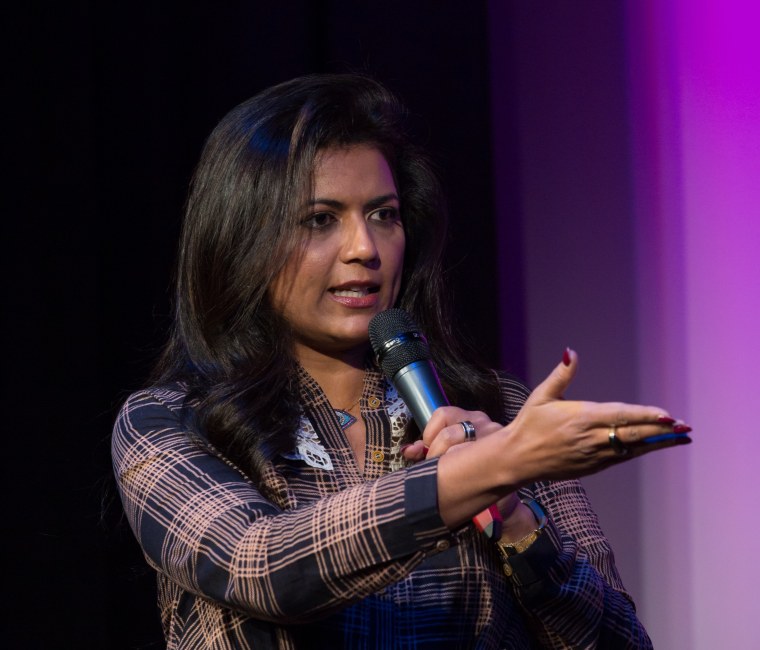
x=696 y=108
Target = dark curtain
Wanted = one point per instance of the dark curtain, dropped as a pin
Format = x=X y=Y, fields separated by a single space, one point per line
x=111 y=103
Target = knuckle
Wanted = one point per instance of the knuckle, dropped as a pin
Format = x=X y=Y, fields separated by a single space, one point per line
x=489 y=427
x=585 y=413
x=587 y=451
x=446 y=436
x=620 y=414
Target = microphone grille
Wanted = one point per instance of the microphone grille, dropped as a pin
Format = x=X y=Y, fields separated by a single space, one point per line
x=397 y=341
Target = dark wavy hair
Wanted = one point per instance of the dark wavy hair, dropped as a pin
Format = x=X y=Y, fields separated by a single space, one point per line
x=228 y=345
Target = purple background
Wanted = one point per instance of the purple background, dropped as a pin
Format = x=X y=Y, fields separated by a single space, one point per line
x=639 y=146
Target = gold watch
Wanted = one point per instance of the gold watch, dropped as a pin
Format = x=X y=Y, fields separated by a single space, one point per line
x=509 y=549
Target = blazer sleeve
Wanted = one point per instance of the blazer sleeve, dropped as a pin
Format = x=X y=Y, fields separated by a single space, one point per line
x=206 y=527
x=567 y=582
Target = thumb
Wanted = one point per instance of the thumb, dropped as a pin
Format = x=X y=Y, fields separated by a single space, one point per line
x=554 y=386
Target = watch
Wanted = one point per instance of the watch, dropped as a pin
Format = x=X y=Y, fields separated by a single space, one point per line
x=510 y=549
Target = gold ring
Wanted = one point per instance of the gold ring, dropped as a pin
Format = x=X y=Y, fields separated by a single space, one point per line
x=616 y=443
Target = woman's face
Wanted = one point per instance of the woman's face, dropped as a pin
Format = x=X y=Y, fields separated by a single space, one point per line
x=348 y=267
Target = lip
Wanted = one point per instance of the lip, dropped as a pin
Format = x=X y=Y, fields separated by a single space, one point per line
x=369 y=298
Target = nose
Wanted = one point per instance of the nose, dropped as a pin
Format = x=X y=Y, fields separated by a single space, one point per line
x=359 y=242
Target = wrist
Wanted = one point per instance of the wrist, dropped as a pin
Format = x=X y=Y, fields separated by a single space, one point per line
x=518 y=520
x=508 y=549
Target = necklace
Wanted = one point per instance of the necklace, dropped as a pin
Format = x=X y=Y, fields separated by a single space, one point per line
x=345 y=419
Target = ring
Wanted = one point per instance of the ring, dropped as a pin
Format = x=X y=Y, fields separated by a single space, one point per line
x=616 y=443
x=469 y=430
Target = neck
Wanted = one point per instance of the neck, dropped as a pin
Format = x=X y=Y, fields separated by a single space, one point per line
x=341 y=376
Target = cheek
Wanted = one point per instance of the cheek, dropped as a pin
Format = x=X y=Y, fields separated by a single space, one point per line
x=302 y=271
x=314 y=269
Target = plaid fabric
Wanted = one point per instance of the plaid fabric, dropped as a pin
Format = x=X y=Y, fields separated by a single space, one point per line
x=329 y=558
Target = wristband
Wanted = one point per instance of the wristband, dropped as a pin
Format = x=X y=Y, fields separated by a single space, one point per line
x=489 y=522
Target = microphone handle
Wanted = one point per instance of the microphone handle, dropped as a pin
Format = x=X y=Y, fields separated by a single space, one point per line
x=418 y=384
x=420 y=388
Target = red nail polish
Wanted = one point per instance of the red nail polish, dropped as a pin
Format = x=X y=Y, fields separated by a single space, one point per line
x=566 y=357
x=425 y=450
x=681 y=428
x=664 y=419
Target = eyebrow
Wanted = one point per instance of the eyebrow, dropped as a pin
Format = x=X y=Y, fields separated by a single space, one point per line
x=369 y=205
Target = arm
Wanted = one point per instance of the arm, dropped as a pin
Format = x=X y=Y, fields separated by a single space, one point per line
x=575 y=574
x=567 y=582
x=206 y=527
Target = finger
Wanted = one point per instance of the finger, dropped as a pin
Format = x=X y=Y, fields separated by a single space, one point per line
x=649 y=433
x=671 y=436
x=455 y=436
x=444 y=440
x=414 y=452
x=449 y=437
x=646 y=447
x=639 y=439
x=621 y=414
x=442 y=417
x=450 y=417
x=554 y=386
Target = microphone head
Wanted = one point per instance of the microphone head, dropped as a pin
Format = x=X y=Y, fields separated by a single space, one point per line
x=397 y=341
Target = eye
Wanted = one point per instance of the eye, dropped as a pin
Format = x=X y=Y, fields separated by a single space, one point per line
x=386 y=215
x=318 y=221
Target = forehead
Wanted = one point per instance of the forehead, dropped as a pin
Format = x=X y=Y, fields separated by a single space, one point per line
x=359 y=169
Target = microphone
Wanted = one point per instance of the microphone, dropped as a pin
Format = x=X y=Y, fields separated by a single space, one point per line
x=404 y=357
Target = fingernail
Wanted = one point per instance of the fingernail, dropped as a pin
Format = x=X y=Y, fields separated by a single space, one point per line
x=664 y=419
x=566 y=357
x=425 y=450
x=404 y=447
x=681 y=428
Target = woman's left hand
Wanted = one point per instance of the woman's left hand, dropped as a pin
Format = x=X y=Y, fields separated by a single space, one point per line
x=445 y=433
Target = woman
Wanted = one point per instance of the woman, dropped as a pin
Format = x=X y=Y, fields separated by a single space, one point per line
x=276 y=481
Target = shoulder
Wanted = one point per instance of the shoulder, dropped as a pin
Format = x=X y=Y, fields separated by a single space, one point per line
x=163 y=422
x=513 y=393
x=511 y=386
x=156 y=407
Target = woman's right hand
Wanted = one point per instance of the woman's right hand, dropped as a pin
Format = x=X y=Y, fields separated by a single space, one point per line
x=552 y=438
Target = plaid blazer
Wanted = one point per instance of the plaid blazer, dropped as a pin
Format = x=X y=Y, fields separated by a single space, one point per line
x=318 y=555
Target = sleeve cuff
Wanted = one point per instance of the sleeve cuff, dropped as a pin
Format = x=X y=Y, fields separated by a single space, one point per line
x=421 y=503
x=533 y=565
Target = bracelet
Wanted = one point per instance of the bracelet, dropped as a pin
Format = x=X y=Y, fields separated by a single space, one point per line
x=488 y=522
x=507 y=550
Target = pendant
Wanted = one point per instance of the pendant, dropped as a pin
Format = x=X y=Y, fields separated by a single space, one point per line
x=345 y=418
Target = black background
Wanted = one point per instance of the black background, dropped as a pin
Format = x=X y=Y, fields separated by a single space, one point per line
x=110 y=105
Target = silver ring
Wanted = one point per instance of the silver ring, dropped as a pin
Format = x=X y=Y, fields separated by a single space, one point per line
x=616 y=443
x=469 y=430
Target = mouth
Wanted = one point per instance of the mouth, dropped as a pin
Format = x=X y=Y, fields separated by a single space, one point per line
x=354 y=292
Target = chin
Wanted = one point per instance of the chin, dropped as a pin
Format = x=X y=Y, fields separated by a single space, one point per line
x=351 y=339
